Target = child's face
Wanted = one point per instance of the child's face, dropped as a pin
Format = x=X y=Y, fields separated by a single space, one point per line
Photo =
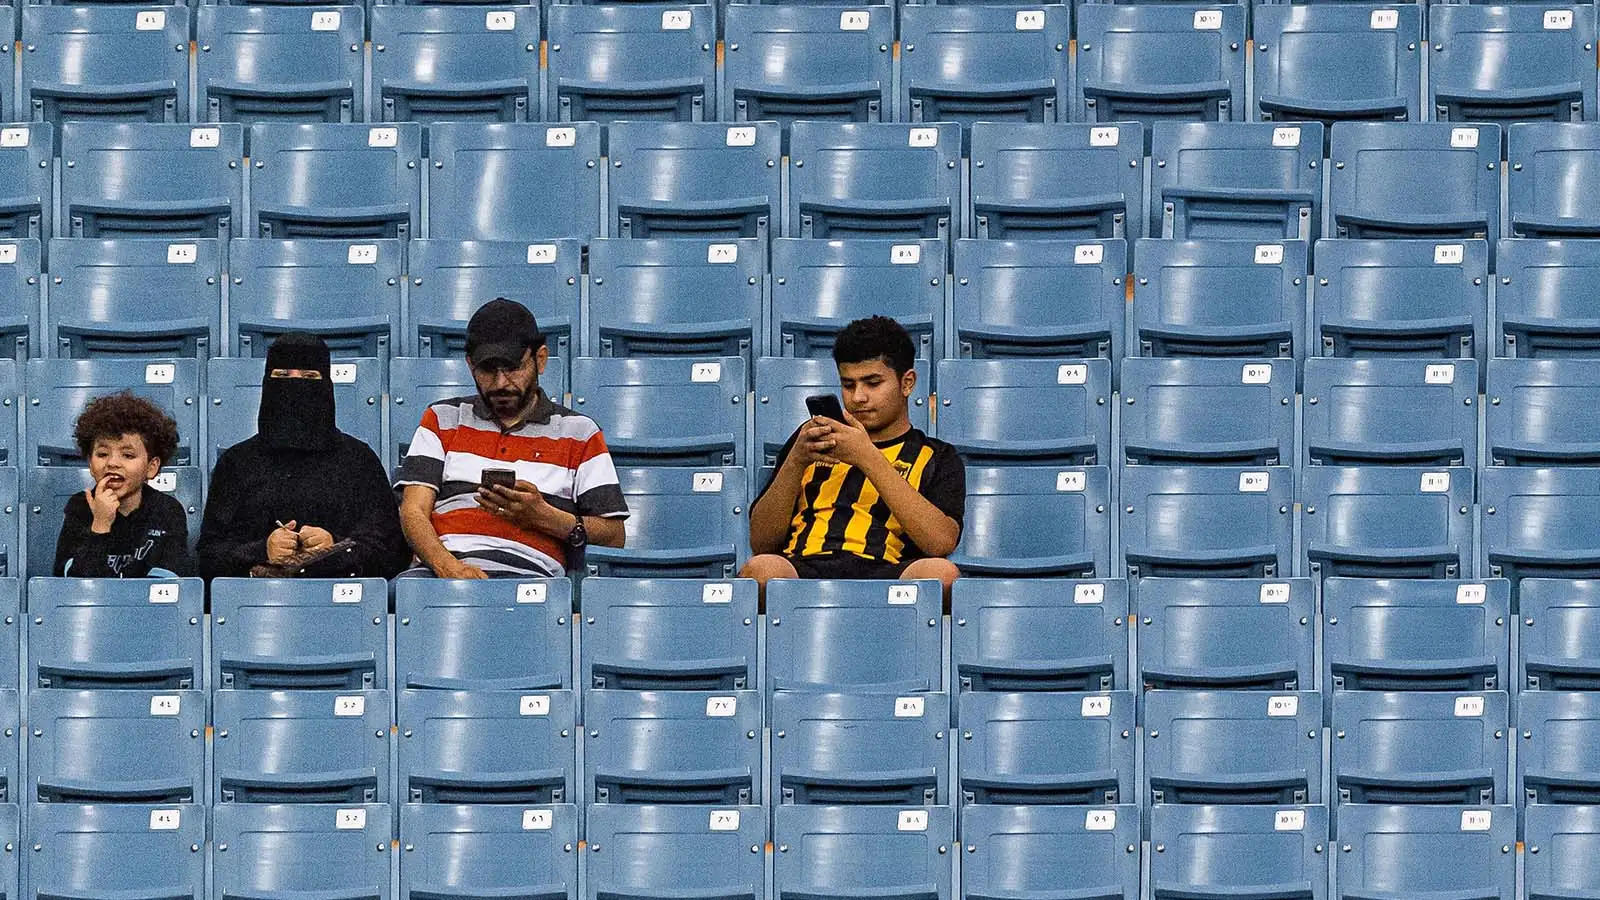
x=124 y=462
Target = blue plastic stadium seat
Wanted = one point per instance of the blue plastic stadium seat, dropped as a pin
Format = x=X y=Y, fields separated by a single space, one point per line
x=311 y=747
x=1039 y=298
x=495 y=746
x=694 y=179
x=1557 y=647
x=786 y=62
x=27 y=202
x=1239 y=851
x=1410 y=635
x=473 y=167
x=857 y=637
x=416 y=383
x=1160 y=63
x=20 y=283
x=1405 y=298
x=1426 y=851
x=134 y=297
x=116 y=747
x=669 y=634
x=152 y=181
x=1046 y=749
x=1556 y=758
x=1550 y=164
x=459 y=850
x=1545 y=299
x=1230 y=747
x=682 y=523
x=1207 y=522
x=1381 y=522
x=1260 y=182
x=990 y=410
x=106 y=848
x=10 y=624
x=1539 y=412
x=849 y=749
x=1511 y=63
x=451 y=279
x=978 y=63
x=1562 y=847
x=1390 y=412
x=300 y=850
x=782 y=385
x=449 y=64
x=335 y=180
x=665 y=411
x=1420 y=747
x=1168 y=413
x=234 y=386
x=58 y=390
x=346 y=293
x=279 y=64
x=641 y=851
x=1338 y=63
x=100 y=633
x=1050 y=850
x=1039 y=634
x=1540 y=523
x=1219 y=298
x=630 y=61
x=1036 y=520
x=49 y=488
x=640 y=298
x=886 y=180
x=886 y=851
x=689 y=747
x=1237 y=633
x=11 y=782
x=301 y=634
x=1429 y=181
x=818 y=287
x=1068 y=182
x=115 y=62
x=498 y=634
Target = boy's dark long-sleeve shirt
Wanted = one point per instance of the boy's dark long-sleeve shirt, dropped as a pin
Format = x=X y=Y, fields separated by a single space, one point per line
x=154 y=536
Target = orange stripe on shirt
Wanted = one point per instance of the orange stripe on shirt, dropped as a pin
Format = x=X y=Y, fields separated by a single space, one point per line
x=481 y=523
x=567 y=453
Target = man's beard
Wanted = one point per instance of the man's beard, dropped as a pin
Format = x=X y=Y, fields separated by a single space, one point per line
x=507 y=403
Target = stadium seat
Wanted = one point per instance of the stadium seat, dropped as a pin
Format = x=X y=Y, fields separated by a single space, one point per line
x=676 y=297
x=1426 y=850
x=116 y=746
x=11 y=781
x=1025 y=298
x=234 y=386
x=1035 y=520
x=1338 y=63
x=311 y=747
x=967 y=64
x=630 y=61
x=1405 y=298
x=483 y=634
x=1066 y=182
x=1390 y=412
x=27 y=208
x=275 y=64
x=665 y=411
x=1026 y=411
x=499 y=746
x=1538 y=412
x=1235 y=633
x=301 y=634
x=818 y=287
x=1235 y=851
x=358 y=182
x=682 y=523
x=1207 y=522
x=1563 y=844
x=860 y=748
x=99 y=633
x=787 y=62
x=883 y=851
x=694 y=179
x=1255 y=182
x=1427 y=181
x=152 y=181
x=1232 y=747
x=1219 y=298
x=1405 y=635
x=117 y=63
x=59 y=389
x=448 y=64
x=299 y=850
x=1556 y=758
x=134 y=297
x=1027 y=635
x=669 y=634
x=854 y=636
x=488 y=851
x=1544 y=299
x=49 y=488
x=474 y=167
x=1381 y=522
x=640 y=851
x=1557 y=642
x=1540 y=523
x=885 y=180
x=20 y=284
x=1160 y=63
x=111 y=848
x=1511 y=63
x=1168 y=414
x=414 y=384
x=10 y=624
x=1050 y=851
x=348 y=294
x=1550 y=164
x=1420 y=747
x=782 y=385
x=687 y=747
x=451 y=279
x=1046 y=749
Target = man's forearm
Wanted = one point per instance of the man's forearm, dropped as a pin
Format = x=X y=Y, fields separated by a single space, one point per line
x=770 y=516
x=424 y=541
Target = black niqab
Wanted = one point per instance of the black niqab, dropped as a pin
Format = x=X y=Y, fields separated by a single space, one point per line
x=297 y=413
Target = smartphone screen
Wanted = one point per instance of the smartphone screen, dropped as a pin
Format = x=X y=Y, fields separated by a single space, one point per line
x=825 y=405
x=502 y=477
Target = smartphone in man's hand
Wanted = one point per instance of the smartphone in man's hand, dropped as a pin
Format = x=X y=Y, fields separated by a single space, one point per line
x=497 y=477
x=826 y=406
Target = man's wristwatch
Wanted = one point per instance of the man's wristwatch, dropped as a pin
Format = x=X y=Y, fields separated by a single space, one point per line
x=578 y=537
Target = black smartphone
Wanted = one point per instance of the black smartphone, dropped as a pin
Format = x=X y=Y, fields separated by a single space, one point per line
x=501 y=477
x=825 y=405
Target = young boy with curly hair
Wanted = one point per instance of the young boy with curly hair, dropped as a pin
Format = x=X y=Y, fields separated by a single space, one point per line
x=118 y=529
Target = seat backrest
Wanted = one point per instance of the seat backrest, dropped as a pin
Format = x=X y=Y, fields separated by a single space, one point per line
x=1057 y=181
x=630 y=61
x=11 y=781
x=1034 y=411
x=1240 y=848
x=484 y=849
x=979 y=63
x=826 y=850
x=1540 y=522
x=665 y=411
x=1207 y=521
x=1168 y=413
x=682 y=523
x=1338 y=64
x=1562 y=842
x=451 y=279
x=311 y=747
x=113 y=633
x=1405 y=298
x=1039 y=634
x=1412 y=635
x=416 y=383
x=59 y=389
x=782 y=386
x=448 y=64
x=1556 y=758
x=783 y=63
x=1424 y=849
x=49 y=488
x=346 y=293
x=672 y=747
x=111 y=847
x=1549 y=162
x=1420 y=747
x=875 y=179
x=299 y=634
x=328 y=180
x=1039 y=298
x=20 y=281
x=1511 y=63
x=818 y=287
x=1215 y=298
x=643 y=849
x=1146 y=63
x=474 y=167
x=483 y=635
x=1259 y=182
x=1557 y=647
x=499 y=746
x=25 y=154
x=143 y=181
x=1228 y=747
x=1046 y=748
x=234 y=386
x=669 y=634
x=1037 y=520
x=299 y=847
x=1544 y=299
x=1390 y=412
x=283 y=64
x=1428 y=181
x=118 y=63
x=694 y=179
x=1234 y=633
x=1538 y=412
x=10 y=628
x=10 y=402
x=134 y=297
x=1053 y=849
x=637 y=291
x=129 y=746
x=846 y=749
x=857 y=636
x=1382 y=522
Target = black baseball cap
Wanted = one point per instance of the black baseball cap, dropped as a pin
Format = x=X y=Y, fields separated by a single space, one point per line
x=500 y=331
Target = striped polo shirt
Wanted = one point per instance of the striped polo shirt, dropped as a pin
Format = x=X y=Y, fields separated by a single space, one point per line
x=557 y=450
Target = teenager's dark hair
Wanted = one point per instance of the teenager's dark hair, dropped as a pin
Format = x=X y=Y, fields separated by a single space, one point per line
x=877 y=337
x=115 y=415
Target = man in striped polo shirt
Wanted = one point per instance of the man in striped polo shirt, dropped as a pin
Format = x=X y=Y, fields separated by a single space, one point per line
x=507 y=483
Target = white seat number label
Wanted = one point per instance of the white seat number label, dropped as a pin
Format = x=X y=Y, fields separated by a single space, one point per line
x=1030 y=20
x=350 y=819
x=1435 y=482
x=1464 y=138
x=1288 y=136
x=676 y=20
x=538 y=820
x=1208 y=20
x=1558 y=20
x=163 y=593
x=902 y=595
x=1269 y=254
x=722 y=707
x=182 y=254
x=541 y=254
x=1070 y=482
x=165 y=819
x=347 y=592
x=150 y=20
x=923 y=137
x=724 y=820
x=13 y=137
x=908 y=707
x=500 y=20
x=351 y=705
x=205 y=138
x=1108 y=136
x=362 y=255
x=1088 y=254
x=913 y=820
x=1289 y=820
x=1441 y=373
x=1471 y=594
x=531 y=593
x=905 y=254
x=165 y=705
x=1095 y=707
x=1469 y=707
x=383 y=137
x=560 y=137
x=854 y=20
x=742 y=136
x=160 y=373
x=8 y=254
x=1072 y=373
x=1253 y=482
x=707 y=483
x=1276 y=592
x=534 y=705
x=722 y=253
x=1476 y=819
x=343 y=373
x=1385 y=19
x=1256 y=373
x=1279 y=707
x=165 y=482
x=1089 y=594
x=1100 y=820
x=326 y=20
x=704 y=373
x=720 y=592
x=1449 y=254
